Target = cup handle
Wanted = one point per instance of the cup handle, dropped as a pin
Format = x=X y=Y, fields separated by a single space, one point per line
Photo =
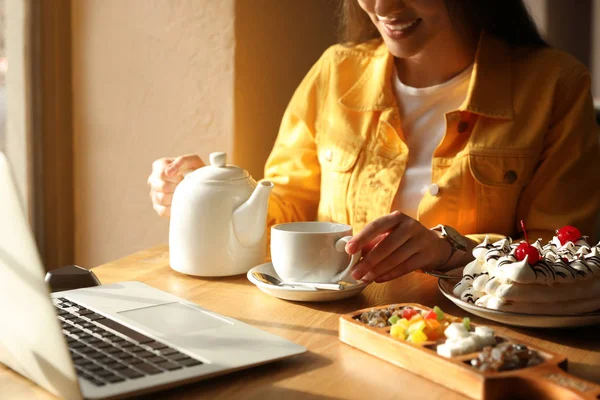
x=340 y=246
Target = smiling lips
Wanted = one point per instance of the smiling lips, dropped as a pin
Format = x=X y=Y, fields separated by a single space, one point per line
x=397 y=29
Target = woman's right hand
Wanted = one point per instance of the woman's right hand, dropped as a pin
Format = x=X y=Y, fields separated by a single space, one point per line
x=166 y=175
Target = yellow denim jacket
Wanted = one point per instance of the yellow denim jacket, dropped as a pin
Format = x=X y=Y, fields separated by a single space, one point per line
x=523 y=145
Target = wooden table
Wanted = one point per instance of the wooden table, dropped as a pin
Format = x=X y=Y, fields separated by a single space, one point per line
x=331 y=369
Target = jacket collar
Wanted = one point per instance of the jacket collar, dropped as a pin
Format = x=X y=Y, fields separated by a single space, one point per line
x=489 y=93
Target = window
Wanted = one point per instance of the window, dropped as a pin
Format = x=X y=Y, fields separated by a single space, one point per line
x=3 y=65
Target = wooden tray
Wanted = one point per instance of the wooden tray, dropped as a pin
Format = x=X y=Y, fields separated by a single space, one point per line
x=546 y=380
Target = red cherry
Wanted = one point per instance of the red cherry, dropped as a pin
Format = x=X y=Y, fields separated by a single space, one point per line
x=524 y=250
x=568 y=234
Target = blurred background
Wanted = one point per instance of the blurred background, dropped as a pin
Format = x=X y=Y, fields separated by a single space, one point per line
x=95 y=90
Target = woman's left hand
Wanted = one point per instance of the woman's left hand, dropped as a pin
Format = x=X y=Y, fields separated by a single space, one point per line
x=396 y=245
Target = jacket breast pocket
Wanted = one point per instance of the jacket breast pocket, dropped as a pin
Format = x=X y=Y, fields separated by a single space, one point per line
x=337 y=158
x=498 y=183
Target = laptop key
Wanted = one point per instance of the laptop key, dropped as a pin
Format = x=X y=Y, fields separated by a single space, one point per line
x=104 y=360
x=82 y=335
x=171 y=366
x=103 y=346
x=122 y=329
x=105 y=373
x=94 y=354
x=93 y=367
x=131 y=373
x=156 y=345
x=117 y=366
x=156 y=360
x=114 y=338
x=137 y=349
x=126 y=345
x=93 y=341
x=93 y=316
x=88 y=351
x=114 y=379
x=74 y=344
x=145 y=354
x=122 y=355
x=113 y=350
x=84 y=363
x=85 y=376
x=189 y=363
x=178 y=357
x=132 y=360
x=147 y=368
x=97 y=382
x=168 y=351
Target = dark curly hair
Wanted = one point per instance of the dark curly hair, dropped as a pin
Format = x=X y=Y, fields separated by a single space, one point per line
x=508 y=20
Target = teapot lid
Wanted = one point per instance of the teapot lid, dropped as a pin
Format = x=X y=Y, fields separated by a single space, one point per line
x=219 y=171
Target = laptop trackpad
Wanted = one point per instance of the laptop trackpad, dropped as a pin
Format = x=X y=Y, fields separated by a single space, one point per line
x=174 y=319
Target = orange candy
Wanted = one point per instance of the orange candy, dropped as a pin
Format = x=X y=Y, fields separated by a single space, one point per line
x=433 y=329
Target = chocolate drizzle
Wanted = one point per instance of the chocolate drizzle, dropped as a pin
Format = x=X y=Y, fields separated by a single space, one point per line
x=541 y=268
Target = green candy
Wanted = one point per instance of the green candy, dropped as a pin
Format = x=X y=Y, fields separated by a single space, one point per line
x=467 y=323
x=438 y=311
x=393 y=319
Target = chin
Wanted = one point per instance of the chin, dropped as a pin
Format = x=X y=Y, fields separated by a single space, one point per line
x=403 y=50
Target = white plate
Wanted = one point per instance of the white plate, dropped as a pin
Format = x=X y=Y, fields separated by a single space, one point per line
x=517 y=319
x=301 y=293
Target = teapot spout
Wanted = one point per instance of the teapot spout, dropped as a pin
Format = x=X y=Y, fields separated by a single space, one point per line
x=249 y=219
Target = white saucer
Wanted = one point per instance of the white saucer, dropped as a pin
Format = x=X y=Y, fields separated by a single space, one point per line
x=517 y=319
x=301 y=293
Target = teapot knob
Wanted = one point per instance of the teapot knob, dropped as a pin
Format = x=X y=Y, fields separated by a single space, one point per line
x=218 y=159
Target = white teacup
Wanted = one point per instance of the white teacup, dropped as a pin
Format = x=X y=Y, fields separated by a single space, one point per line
x=312 y=251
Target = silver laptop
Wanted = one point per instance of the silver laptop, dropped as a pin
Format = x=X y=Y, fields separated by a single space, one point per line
x=110 y=340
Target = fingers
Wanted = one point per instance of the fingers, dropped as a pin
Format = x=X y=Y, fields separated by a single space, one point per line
x=159 y=185
x=374 y=229
x=394 y=261
x=394 y=241
x=162 y=210
x=373 y=243
x=166 y=175
x=182 y=164
x=161 y=199
x=407 y=266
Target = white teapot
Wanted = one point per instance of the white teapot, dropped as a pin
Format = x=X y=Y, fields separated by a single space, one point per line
x=218 y=221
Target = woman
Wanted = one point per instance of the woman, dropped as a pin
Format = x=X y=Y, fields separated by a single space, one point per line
x=453 y=115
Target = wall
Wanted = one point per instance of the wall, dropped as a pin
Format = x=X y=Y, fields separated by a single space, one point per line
x=595 y=58
x=154 y=78
x=276 y=44
x=17 y=140
x=150 y=79
x=572 y=26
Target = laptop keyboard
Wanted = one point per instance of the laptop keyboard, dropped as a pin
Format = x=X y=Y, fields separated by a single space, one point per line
x=106 y=356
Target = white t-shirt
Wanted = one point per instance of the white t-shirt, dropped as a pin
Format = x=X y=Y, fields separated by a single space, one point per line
x=423 y=115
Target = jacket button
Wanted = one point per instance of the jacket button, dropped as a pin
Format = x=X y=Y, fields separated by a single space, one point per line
x=328 y=154
x=462 y=126
x=510 y=176
x=434 y=189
